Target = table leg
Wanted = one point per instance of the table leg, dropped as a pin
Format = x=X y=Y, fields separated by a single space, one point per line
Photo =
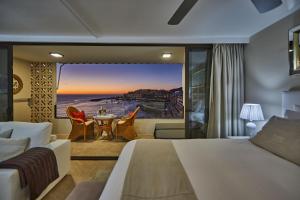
x=100 y=130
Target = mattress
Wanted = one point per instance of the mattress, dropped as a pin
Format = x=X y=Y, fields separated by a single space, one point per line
x=227 y=169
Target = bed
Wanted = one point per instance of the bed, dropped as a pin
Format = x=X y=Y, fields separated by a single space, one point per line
x=227 y=169
x=224 y=169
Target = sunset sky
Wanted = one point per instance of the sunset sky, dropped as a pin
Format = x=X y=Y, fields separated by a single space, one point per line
x=118 y=78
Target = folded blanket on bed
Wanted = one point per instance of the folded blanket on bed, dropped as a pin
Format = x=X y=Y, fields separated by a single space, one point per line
x=155 y=172
x=37 y=168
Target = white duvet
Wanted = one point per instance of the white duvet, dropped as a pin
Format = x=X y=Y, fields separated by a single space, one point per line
x=223 y=169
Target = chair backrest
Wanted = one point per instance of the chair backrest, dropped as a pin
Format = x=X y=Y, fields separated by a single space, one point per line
x=133 y=116
x=71 y=109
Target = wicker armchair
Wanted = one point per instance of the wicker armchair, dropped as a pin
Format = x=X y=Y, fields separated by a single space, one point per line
x=79 y=127
x=125 y=126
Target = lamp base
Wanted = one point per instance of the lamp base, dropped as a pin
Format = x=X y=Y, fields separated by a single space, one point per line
x=251 y=125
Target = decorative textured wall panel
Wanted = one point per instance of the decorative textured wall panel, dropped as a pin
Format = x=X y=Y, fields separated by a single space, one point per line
x=42 y=91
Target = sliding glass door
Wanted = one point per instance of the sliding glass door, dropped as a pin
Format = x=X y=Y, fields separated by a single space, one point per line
x=197 y=75
x=6 y=88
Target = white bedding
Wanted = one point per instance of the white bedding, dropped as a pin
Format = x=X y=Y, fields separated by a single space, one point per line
x=226 y=169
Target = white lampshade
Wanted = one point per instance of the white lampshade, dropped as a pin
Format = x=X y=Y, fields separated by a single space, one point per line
x=251 y=112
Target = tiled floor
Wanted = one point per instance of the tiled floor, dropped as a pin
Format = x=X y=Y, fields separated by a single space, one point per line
x=99 y=147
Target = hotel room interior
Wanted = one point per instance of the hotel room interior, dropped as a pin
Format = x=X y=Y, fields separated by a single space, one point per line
x=160 y=100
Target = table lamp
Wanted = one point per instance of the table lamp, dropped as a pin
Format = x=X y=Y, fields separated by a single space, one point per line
x=251 y=112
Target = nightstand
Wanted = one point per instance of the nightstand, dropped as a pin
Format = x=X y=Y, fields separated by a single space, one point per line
x=238 y=137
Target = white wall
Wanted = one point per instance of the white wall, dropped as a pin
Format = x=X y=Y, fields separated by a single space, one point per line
x=267 y=66
x=22 y=111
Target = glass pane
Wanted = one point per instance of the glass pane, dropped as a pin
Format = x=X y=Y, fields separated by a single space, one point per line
x=5 y=96
x=198 y=92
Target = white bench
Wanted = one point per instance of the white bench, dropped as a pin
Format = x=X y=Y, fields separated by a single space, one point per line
x=169 y=131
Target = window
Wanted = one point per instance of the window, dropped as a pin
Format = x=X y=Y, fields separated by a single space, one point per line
x=119 y=88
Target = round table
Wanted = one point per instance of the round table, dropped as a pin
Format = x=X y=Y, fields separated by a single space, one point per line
x=104 y=123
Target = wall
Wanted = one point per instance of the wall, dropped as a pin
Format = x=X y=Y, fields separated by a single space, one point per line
x=142 y=126
x=267 y=66
x=22 y=111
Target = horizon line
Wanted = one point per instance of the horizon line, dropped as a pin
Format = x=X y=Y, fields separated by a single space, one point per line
x=110 y=93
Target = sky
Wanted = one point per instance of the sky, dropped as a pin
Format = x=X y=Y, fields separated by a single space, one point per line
x=118 y=78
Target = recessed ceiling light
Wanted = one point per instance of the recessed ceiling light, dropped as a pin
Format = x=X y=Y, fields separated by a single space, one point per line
x=56 y=55
x=166 y=55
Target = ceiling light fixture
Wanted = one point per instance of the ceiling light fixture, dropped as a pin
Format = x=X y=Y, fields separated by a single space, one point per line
x=56 y=55
x=166 y=55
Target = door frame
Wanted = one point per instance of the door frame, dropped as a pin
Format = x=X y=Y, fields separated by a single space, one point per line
x=187 y=46
x=9 y=49
x=187 y=83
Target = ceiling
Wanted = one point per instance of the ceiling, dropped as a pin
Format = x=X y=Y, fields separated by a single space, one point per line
x=99 y=54
x=134 y=21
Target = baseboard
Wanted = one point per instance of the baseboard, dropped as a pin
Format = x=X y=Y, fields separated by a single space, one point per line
x=94 y=157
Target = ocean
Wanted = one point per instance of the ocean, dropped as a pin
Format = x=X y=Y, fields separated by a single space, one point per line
x=117 y=107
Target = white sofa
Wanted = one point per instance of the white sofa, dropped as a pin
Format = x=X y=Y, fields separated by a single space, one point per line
x=40 y=135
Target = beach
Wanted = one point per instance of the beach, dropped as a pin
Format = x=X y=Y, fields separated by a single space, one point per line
x=115 y=104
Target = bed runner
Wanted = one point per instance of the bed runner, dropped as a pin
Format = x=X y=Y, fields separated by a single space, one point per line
x=37 y=168
x=155 y=172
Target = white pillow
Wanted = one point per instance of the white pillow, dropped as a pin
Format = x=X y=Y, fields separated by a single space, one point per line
x=6 y=133
x=39 y=133
x=10 y=148
x=297 y=108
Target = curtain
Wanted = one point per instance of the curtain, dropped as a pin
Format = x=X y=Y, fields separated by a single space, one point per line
x=226 y=91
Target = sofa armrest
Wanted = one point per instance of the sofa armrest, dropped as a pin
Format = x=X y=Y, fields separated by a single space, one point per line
x=62 y=151
x=53 y=138
x=10 y=185
x=10 y=180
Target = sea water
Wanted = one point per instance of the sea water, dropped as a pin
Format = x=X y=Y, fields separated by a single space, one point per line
x=90 y=104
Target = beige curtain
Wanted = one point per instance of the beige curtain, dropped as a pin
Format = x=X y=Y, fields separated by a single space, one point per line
x=226 y=91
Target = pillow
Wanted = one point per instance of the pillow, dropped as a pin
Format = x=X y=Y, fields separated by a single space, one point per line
x=297 y=108
x=281 y=137
x=79 y=115
x=10 y=148
x=39 y=133
x=292 y=114
x=6 y=133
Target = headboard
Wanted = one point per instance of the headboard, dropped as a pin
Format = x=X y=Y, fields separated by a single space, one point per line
x=290 y=101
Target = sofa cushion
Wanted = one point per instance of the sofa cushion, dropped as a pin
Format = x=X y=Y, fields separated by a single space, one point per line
x=39 y=133
x=12 y=147
x=6 y=133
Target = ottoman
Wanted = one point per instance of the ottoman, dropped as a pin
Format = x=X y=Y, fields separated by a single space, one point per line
x=169 y=131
